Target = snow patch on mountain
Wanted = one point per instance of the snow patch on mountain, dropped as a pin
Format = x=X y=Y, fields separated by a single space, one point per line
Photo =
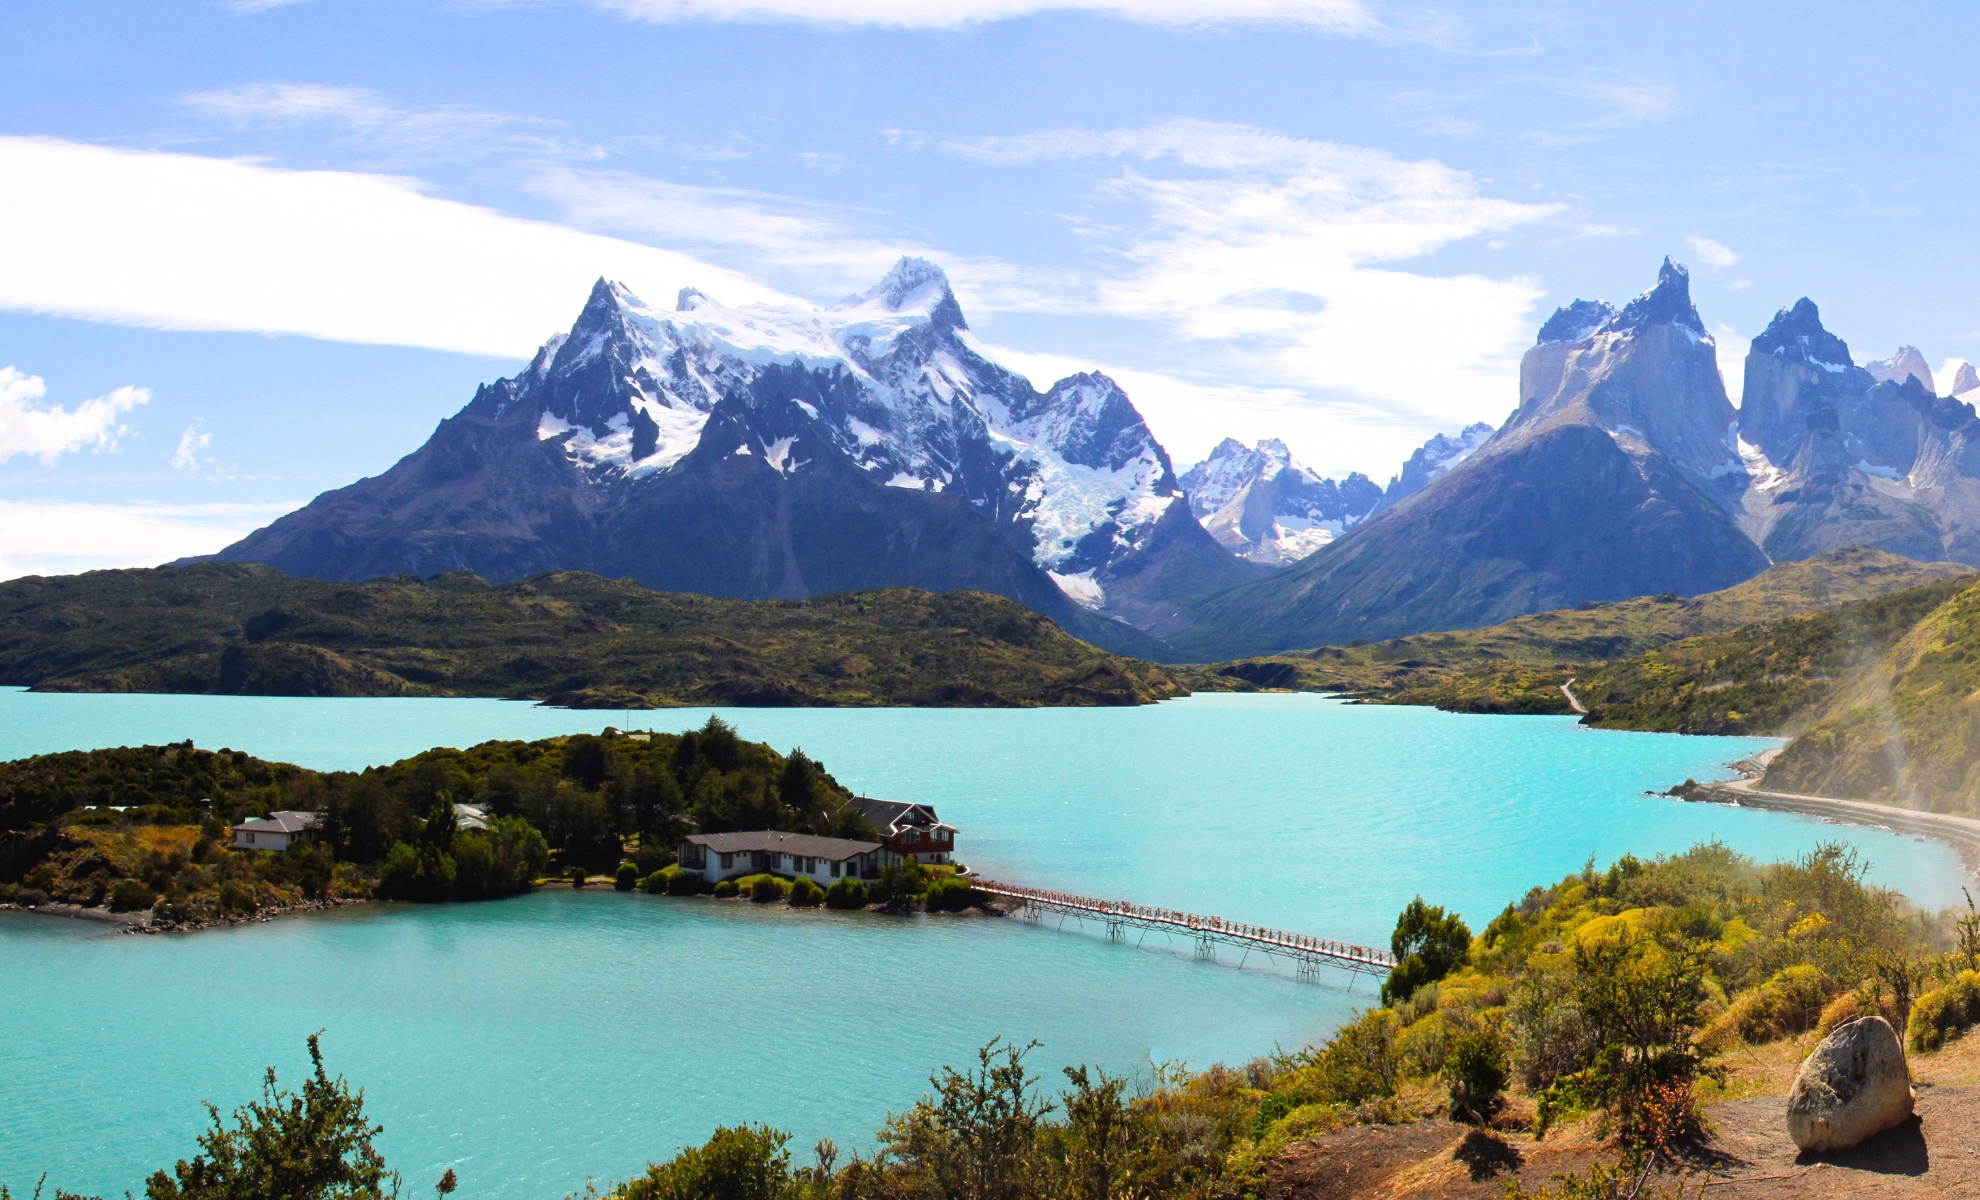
x=1263 y=506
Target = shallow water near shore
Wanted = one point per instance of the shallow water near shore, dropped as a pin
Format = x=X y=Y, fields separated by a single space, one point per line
x=532 y=1042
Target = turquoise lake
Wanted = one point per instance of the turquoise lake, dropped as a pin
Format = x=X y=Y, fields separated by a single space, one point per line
x=535 y=1042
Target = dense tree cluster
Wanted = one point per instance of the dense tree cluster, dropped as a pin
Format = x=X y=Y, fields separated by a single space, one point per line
x=582 y=802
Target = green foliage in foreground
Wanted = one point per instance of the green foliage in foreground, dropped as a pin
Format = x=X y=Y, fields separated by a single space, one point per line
x=317 y=1144
x=567 y=637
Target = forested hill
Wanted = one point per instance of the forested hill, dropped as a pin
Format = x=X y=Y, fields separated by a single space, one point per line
x=566 y=638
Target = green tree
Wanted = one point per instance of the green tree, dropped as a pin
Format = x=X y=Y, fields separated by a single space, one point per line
x=741 y=1162
x=587 y=761
x=796 y=783
x=1428 y=944
x=316 y=1146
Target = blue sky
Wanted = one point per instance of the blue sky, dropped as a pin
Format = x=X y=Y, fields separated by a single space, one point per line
x=252 y=251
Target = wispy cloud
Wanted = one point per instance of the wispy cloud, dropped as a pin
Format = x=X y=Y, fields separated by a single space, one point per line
x=447 y=130
x=1716 y=255
x=61 y=539
x=1337 y=16
x=48 y=432
x=181 y=241
x=1626 y=101
x=191 y=442
x=1278 y=257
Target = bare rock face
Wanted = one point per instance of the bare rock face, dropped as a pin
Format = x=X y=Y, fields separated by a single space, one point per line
x=1854 y=1086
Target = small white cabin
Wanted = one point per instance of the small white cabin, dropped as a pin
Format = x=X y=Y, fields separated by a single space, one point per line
x=277 y=830
x=825 y=860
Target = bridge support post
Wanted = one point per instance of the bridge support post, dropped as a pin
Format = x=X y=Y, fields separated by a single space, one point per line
x=1206 y=947
x=1308 y=969
x=1116 y=931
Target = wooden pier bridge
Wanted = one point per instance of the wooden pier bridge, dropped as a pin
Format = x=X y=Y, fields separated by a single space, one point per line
x=1307 y=954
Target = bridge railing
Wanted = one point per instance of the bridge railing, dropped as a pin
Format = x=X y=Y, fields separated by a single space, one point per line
x=1192 y=923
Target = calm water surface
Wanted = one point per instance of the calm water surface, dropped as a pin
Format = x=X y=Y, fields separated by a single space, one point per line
x=533 y=1042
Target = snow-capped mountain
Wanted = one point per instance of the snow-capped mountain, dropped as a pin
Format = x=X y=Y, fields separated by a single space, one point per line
x=883 y=405
x=1264 y=507
x=1433 y=458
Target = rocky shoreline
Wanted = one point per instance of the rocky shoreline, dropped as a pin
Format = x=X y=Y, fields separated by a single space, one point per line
x=145 y=922
x=1961 y=833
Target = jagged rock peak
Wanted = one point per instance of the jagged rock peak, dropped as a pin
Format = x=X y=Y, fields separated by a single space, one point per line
x=1576 y=321
x=1797 y=333
x=1957 y=377
x=1669 y=303
x=688 y=299
x=1907 y=362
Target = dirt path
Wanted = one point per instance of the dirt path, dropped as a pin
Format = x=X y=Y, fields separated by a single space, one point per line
x=1748 y=1154
x=1567 y=689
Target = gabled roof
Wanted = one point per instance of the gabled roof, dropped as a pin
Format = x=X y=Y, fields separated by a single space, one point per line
x=282 y=822
x=809 y=845
x=892 y=816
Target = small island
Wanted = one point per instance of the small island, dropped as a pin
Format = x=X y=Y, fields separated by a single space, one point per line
x=179 y=838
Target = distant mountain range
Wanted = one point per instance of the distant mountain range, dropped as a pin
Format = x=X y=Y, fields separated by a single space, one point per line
x=1263 y=507
x=766 y=452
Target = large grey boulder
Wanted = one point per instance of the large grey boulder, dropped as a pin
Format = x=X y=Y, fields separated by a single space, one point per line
x=1854 y=1086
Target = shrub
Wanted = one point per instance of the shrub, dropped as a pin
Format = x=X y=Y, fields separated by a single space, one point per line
x=725 y=889
x=131 y=896
x=738 y=1163
x=652 y=855
x=1944 y=1013
x=1475 y=1070
x=1790 y=1002
x=805 y=893
x=948 y=895
x=28 y=897
x=846 y=894
x=578 y=877
x=764 y=889
x=656 y=883
x=626 y=879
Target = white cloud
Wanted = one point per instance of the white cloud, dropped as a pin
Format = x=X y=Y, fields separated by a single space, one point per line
x=1629 y=101
x=62 y=539
x=1731 y=351
x=178 y=241
x=49 y=432
x=441 y=131
x=1716 y=255
x=1338 y=16
x=1273 y=256
x=191 y=442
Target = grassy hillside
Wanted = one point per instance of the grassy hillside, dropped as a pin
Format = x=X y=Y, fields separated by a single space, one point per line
x=1762 y=678
x=566 y=638
x=1519 y=666
x=1902 y=729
